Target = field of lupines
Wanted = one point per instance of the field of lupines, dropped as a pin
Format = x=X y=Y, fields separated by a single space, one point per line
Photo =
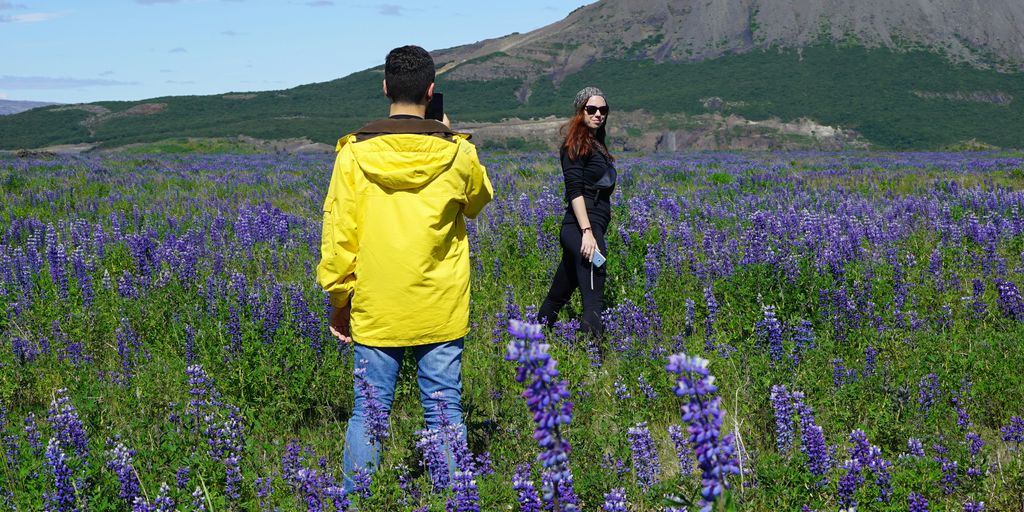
x=785 y=332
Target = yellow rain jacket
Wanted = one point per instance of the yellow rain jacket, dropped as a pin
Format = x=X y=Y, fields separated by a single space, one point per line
x=394 y=234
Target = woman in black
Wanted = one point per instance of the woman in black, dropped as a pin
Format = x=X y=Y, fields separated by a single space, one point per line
x=589 y=182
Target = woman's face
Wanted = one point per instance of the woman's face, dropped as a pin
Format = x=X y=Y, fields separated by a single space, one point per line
x=599 y=107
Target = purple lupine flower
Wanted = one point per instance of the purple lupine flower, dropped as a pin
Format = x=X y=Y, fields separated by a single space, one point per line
x=190 y=345
x=978 y=305
x=484 y=464
x=703 y=413
x=308 y=324
x=163 y=501
x=32 y=434
x=466 y=498
x=181 y=477
x=564 y=489
x=1010 y=302
x=198 y=503
x=362 y=479
x=870 y=361
x=950 y=477
x=377 y=423
x=232 y=478
x=1014 y=432
x=849 y=483
x=291 y=461
x=917 y=503
x=769 y=333
x=812 y=438
x=615 y=501
x=339 y=498
x=915 y=447
x=709 y=321
x=928 y=392
x=616 y=465
x=783 y=407
x=82 y=276
x=62 y=497
x=271 y=313
x=121 y=464
x=621 y=391
x=128 y=348
x=972 y=506
x=405 y=482
x=645 y=456
x=646 y=388
x=841 y=375
x=527 y=495
x=683 y=452
x=68 y=430
x=803 y=340
x=546 y=397
x=430 y=442
x=126 y=286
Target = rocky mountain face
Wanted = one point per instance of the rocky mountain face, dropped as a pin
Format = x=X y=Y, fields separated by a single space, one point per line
x=984 y=33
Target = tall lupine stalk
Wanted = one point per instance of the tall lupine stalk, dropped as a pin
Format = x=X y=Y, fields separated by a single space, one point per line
x=703 y=412
x=812 y=439
x=547 y=398
x=769 y=334
x=645 y=456
x=709 y=321
x=783 y=407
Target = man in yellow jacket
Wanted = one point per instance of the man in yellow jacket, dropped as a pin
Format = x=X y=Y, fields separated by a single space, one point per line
x=395 y=256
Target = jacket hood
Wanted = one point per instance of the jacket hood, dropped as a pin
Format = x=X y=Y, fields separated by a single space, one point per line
x=402 y=154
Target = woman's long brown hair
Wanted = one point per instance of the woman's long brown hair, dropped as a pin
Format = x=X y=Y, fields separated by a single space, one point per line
x=579 y=142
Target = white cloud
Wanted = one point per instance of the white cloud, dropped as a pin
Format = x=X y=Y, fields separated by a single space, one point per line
x=178 y=50
x=50 y=82
x=3 y=96
x=32 y=17
x=9 y=5
x=152 y=2
x=320 y=3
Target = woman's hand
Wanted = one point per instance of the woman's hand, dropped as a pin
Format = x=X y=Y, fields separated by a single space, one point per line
x=589 y=245
x=339 y=323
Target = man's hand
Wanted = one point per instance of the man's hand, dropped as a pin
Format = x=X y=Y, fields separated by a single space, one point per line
x=447 y=122
x=339 y=323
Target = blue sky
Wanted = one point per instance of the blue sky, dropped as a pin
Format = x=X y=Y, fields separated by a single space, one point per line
x=91 y=50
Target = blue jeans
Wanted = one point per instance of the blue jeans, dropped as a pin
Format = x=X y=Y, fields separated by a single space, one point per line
x=438 y=370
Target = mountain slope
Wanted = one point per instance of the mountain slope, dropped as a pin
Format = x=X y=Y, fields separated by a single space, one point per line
x=981 y=32
x=908 y=74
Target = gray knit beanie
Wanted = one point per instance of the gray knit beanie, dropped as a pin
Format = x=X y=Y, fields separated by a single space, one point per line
x=585 y=94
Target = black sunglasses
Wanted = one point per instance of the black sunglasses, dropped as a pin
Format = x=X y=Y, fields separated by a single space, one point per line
x=591 y=110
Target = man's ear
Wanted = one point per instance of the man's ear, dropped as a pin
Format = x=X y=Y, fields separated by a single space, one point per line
x=430 y=92
x=384 y=83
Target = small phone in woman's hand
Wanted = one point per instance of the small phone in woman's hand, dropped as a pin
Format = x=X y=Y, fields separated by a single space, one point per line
x=597 y=259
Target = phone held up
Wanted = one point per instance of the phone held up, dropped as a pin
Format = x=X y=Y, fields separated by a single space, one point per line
x=435 y=109
x=598 y=259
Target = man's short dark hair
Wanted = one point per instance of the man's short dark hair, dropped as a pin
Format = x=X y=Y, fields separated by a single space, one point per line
x=409 y=71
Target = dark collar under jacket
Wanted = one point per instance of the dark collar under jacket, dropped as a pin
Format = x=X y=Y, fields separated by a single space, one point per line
x=413 y=125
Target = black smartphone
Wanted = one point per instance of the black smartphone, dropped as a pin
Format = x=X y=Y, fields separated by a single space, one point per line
x=435 y=109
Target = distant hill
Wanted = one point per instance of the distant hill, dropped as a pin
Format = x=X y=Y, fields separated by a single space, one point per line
x=904 y=74
x=8 y=107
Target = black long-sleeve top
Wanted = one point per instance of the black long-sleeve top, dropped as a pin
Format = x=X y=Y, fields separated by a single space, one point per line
x=580 y=175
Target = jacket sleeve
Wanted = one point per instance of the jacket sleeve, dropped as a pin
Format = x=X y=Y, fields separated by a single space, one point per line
x=339 y=244
x=572 y=172
x=478 y=186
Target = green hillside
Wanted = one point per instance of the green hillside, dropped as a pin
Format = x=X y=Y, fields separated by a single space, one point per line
x=872 y=91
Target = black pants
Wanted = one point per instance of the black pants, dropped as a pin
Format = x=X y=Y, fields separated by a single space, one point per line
x=574 y=272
